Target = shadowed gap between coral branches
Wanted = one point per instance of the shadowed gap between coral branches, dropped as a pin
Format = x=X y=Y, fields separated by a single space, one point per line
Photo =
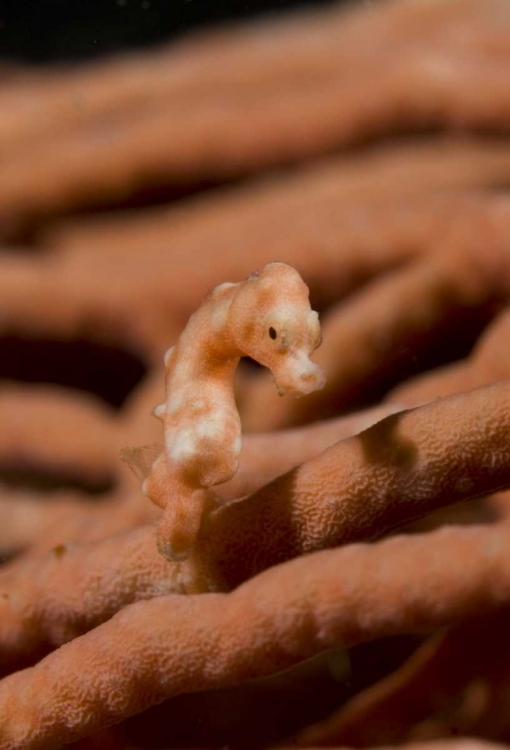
x=28 y=233
x=23 y=476
x=107 y=371
x=264 y=711
x=435 y=348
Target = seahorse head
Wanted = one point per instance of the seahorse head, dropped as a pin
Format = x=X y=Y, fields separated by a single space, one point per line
x=271 y=321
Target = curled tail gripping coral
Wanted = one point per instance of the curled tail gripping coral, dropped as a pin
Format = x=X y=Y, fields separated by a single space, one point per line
x=267 y=317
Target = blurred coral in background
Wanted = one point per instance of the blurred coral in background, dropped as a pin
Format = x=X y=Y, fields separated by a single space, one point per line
x=359 y=566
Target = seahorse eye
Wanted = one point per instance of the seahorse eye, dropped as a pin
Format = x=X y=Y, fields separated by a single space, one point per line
x=272 y=332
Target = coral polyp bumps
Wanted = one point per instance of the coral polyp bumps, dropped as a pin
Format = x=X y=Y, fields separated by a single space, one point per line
x=266 y=317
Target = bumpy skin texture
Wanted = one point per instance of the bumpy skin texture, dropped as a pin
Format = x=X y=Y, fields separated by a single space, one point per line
x=266 y=317
x=289 y=613
x=401 y=468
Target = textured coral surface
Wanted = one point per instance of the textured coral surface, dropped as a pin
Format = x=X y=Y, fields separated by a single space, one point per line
x=352 y=586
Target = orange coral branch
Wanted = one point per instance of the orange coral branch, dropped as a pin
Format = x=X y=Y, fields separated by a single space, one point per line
x=401 y=468
x=404 y=466
x=268 y=455
x=25 y=522
x=170 y=645
x=40 y=422
x=295 y=50
x=442 y=78
x=310 y=220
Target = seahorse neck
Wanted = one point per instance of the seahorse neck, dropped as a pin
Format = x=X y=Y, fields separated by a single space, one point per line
x=204 y=349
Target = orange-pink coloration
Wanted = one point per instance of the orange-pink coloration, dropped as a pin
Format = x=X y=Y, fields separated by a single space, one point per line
x=266 y=317
x=404 y=243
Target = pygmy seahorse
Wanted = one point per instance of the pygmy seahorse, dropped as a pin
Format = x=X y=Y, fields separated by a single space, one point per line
x=266 y=317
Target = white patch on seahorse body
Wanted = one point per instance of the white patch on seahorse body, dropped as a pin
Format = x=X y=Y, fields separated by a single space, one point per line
x=212 y=427
x=167 y=355
x=174 y=403
x=159 y=411
x=219 y=314
x=181 y=445
x=225 y=285
x=238 y=444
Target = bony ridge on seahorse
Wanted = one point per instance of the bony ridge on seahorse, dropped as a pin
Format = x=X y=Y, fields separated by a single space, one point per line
x=266 y=317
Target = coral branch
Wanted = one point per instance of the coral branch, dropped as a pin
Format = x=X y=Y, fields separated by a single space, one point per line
x=299 y=50
x=333 y=223
x=46 y=603
x=39 y=425
x=266 y=456
x=405 y=466
x=401 y=468
x=37 y=527
x=443 y=78
x=176 y=644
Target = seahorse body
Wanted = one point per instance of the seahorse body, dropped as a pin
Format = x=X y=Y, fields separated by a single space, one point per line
x=266 y=317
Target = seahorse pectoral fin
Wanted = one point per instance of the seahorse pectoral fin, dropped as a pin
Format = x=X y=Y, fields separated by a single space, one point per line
x=140 y=459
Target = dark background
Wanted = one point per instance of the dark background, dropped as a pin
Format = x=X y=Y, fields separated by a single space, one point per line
x=51 y=30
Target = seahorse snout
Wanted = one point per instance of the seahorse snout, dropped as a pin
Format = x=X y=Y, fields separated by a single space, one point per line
x=299 y=376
